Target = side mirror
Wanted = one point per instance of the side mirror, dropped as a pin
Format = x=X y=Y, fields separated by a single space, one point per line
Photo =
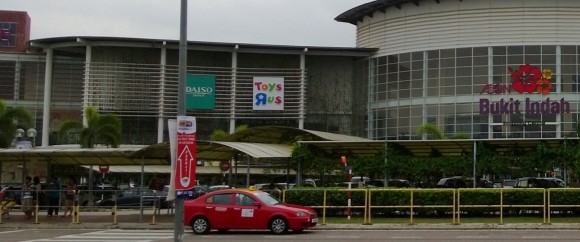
x=257 y=204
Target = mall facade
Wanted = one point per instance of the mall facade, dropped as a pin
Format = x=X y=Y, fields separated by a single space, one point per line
x=488 y=69
x=491 y=69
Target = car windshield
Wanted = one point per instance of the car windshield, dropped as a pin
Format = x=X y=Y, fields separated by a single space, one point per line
x=266 y=198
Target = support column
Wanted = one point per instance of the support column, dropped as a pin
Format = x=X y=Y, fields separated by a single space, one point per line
x=559 y=88
x=17 y=75
x=302 y=111
x=162 y=80
x=233 y=90
x=47 y=97
x=88 y=58
x=489 y=81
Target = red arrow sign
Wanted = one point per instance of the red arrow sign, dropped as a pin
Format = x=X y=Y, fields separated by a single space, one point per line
x=185 y=167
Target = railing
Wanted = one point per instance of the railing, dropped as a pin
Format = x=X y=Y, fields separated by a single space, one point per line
x=451 y=202
x=80 y=209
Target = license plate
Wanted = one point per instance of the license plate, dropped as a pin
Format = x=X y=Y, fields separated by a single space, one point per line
x=315 y=220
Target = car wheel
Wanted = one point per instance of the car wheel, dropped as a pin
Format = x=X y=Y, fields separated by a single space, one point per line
x=278 y=225
x=200 y=225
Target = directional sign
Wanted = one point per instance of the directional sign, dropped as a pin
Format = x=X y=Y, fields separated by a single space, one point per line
x=186 y=153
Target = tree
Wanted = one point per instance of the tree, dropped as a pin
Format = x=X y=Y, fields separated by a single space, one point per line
x=12 y=118
x=430 y=129
x=101 y=129
x=218 y=134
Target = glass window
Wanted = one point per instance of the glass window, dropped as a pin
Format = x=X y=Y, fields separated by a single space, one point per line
x=499 y=50
x=244 y=200
x=447 y=53
x=433 y=54
x=533 y=49
x=515 y=50
x=480 y=51
x=464 y=52
x=224 y=199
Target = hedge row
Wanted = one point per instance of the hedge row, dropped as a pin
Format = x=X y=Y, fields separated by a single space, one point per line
x=476 y=201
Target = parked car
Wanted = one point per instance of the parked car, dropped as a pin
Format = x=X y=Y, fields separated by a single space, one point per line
x=538 y=182
x=131 y=198
x=463 y=182
x=245 y=209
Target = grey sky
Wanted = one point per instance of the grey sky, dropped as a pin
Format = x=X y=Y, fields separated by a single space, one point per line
x=281 y=22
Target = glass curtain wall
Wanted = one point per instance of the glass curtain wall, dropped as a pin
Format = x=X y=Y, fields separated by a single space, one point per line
x=444 y=88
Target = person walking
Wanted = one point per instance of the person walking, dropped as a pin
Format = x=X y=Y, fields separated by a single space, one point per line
x=69 y=200
x=53 y=194
x=27 y=197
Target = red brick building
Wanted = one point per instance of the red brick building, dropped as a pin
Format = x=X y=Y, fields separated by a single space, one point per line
x=14 y=31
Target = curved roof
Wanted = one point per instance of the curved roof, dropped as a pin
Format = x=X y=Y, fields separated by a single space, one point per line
x=358 y=13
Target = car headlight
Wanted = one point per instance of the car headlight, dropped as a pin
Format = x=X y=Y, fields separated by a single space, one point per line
x=301 y=214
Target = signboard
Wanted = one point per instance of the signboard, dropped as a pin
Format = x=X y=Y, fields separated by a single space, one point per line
x=185 y=166
x=200 y=92
x=527 y=79
x=268 y=93
x=103 y=169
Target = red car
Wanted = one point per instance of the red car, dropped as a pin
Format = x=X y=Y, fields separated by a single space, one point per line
x=245 y=209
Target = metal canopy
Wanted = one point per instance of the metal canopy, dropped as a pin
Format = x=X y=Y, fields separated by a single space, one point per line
x=430 y=147
x=74 y=155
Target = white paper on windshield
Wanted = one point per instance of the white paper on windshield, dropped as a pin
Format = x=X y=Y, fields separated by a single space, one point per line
x=247 y=213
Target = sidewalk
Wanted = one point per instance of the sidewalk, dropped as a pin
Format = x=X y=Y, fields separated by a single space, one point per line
x=133 y=220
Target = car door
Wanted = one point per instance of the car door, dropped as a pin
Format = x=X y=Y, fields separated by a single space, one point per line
x=246 y=213
x=219 y=210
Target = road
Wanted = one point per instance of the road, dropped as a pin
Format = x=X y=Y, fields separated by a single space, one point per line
x=117 y=235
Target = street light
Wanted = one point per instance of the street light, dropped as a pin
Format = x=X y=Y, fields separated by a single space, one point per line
x=31 y=134
x=24 y=143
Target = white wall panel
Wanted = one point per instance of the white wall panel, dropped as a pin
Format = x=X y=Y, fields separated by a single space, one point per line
x=470 y=23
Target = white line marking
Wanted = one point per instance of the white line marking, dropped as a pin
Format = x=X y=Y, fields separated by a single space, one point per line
x=13 y=231
x=539 y=237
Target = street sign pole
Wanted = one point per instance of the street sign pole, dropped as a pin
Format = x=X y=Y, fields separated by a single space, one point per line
x=178 y=218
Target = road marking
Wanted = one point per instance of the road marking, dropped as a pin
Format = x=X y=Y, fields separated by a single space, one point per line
x=407 y=237
x=116 y=235
x=539 y=237
x=473 y=237
x=13 y=231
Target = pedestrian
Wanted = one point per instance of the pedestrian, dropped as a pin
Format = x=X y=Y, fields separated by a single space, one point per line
x=36 y=195
x=53 y=194
x=69 y=196
x=8 y=200
x=27 y=197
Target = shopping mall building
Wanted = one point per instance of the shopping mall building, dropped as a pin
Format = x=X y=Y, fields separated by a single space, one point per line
x=490 y=69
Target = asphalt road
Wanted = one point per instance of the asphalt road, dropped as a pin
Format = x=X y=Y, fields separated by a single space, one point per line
x=118 y=235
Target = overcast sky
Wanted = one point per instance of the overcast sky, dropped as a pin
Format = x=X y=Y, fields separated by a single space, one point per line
x=280 y=22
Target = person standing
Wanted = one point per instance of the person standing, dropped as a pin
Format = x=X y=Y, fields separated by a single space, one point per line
x=69 y=200
x=53 y=194
x=36 y=195
x=27 y=197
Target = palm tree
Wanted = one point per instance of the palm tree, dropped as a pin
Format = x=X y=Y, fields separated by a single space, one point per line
x=12 y=118
x=101 y=129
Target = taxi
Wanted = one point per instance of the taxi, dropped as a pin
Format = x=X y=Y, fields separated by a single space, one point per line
x=245 y=209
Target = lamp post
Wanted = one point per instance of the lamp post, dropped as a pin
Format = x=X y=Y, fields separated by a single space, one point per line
x=31 y=134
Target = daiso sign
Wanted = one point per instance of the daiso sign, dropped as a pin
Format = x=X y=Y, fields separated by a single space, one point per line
x=526 y=79
x=268 y=93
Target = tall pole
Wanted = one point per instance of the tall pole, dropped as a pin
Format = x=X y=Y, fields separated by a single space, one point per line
x=178 y=223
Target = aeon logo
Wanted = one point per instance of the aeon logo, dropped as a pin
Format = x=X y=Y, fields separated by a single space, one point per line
x=527 y=79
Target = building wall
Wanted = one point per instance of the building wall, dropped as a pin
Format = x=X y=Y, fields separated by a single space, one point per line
x=14 y=31
x=468 y=23
x=444 y=63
